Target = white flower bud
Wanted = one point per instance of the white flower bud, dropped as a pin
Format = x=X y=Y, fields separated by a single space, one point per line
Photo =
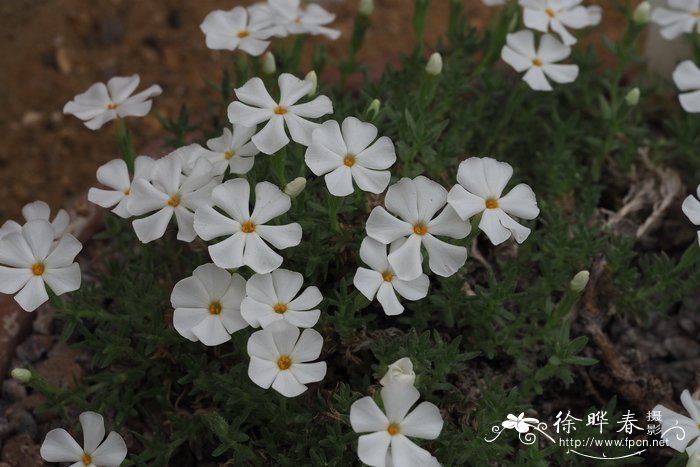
x=366 y=7
x=374 y=107
x=311 y=76
x=295 y=187
x=434 y=66
x=268 y=63
x=21 y=374
x=401 y=371
x=632 y=97
x=579 y=282
x=642 y=13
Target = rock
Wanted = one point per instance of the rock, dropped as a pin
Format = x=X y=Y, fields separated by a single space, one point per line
x=34 y=347
x=21 y=450
x=63 y=61
x=31 y=118
x=13 y=390
x=111 y=30
x=21 y=419
x=60 y=369
x=43 y=322
x=15 y=323
x=682 y=348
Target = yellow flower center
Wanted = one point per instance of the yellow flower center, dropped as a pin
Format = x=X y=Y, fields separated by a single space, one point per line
x=491 y=203
x=349 y=160
x=279 y=110
x=550 y=12
x=388 y=276
x=284 y=362
x=86 y=459
x=126 y=192
x=229 y=154
x=174 y=200
x=243 y=34
x=537 y=62
x=393 y=429
x=112 y=106
x=215 y=308
x=37 y=269
x=420 y=229
x=696 y=13
x=247 y=227
x=280 y=308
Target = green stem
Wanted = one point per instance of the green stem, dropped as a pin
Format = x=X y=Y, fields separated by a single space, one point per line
x=125 y=146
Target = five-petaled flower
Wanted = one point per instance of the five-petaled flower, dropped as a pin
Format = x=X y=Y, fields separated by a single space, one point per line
x=683 y=18
x=115 y=175
x=233 y=150
x=239 y=28
x=298 y=19
x=557 y=15
x=100 y=103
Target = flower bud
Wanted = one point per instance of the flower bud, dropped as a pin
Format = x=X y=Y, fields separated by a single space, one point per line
x=641 y=13
x=295 y=187
x=373 y=108
x=579 y=282
x=632 y=97
x=268 y=63
x=21 y=374
x=401 y=371
x=311 y=76
x=366 y=7
x=434 y=66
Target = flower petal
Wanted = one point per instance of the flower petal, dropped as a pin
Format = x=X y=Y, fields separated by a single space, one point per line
x=366 y=416
x=111 y=452
x=367 y=282
x=32 y=295
x=272 y=137
x=372 y=449
x=398 y=399
x=211 y=331
x=59 y=446
x=306 y=349
x=386 y=228
x=444 y=259
x=388 y=300
x=423 y=422
x=406 y=260
x=270 y=202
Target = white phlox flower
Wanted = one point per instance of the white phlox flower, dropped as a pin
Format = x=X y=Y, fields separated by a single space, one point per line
x=687 y=79
x=298 y=19
x=682 y=18
x=275 y=296
x=233 y=150
x=255 y=106
x=239 y=28
x=481 y=184
x=246 y=233
x=97 y=451
x=350 y=153
x=681 y=432
x=691 y=208
x=401 y=371
x=557 y=15
x=115 y=175
x=382 y=282
x=539 y=64
x=412 y=207
x=280 y=358
x=100 y=103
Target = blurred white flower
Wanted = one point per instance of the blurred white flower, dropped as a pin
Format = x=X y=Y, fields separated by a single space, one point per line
x=401 y=371
x=350 y=153
x=519 y=52
x=59 y=446
x=272 y=297
x=239 y=28
x=684 y=17
x=687 y=79
x=255 y=106
x=557 y=15
x=297 y=19
x=170 y=192
x=481 y=184
x=382 y=282
x=246 y=232
x=416 y=203
x=30 y=260
x=678 y=430
x=691 y=208
x=280 y=358
x=115 y=175
x=100 y=103
x=391 y=431
x=208 y=305
x=234 y=150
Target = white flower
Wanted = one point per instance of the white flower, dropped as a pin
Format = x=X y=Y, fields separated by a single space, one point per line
x=691 y=208
x=248 y=30
x=247 y=233
x=100 y=103
x=401 y=371
x=271 y=297
x=521 y=424
x=519 y=52
x=30 y=260
x=683 y=18
x=391 y=431
x=678 y=430
x=115 y=175
x=481 y=183
x=169 y=193
x=59 y=446
x=687 y=78
x=280 y=358
x=416 y=203
x=350 y=154
x=382 y=282
x=557 y=15
x=234 y=150
x=208 y=305
x=493 y=2
x=256 y=106
x=303 y=20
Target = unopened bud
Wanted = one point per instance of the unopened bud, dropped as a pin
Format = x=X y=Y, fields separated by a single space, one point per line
x=21 y=374
x=641 y=13
x=434 y=66
x=366 y=7
x=579 y=282
x=311 y=76
x=268 y=63
x=295 y=187
x=401 y=371
x=632 y=97
x=373 y=108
